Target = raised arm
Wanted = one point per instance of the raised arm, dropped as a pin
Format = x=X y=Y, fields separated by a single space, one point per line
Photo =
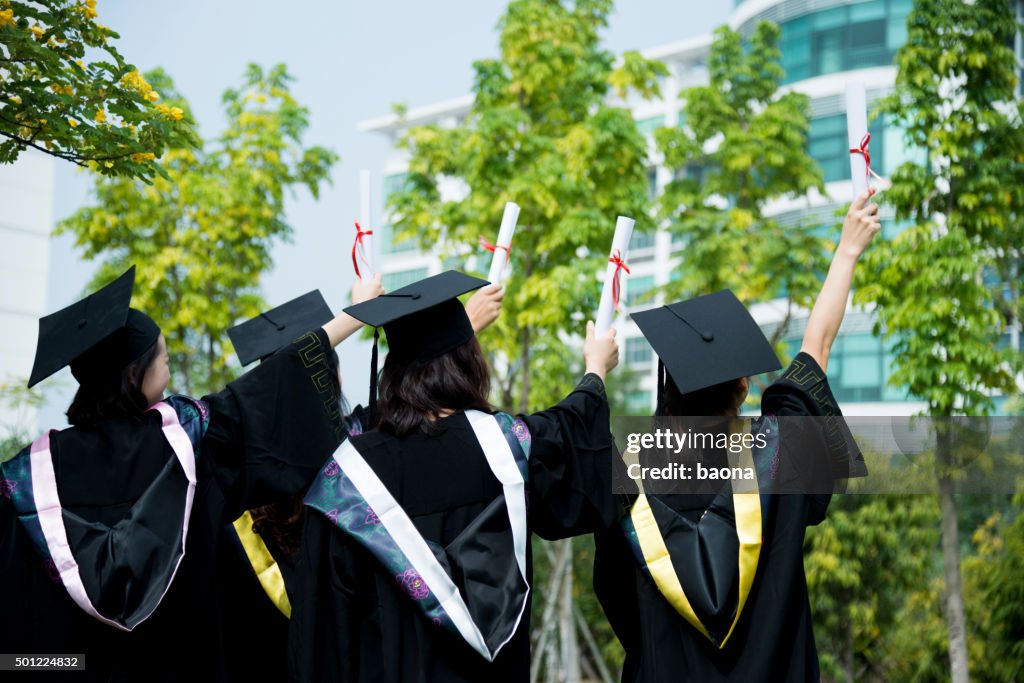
x=343 y=325
x=859 y=228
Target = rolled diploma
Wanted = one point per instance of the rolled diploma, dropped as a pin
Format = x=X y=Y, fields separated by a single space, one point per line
x=367 y=269
x=606 y=309
x=508 y=228
x=856 y=128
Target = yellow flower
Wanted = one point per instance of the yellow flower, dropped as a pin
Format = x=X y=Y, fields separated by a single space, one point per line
x=138 y=157
x=108 y=164
x=152 y=96
x=74 y=124
x=101 y=116
x=15 y=99
x=7 y=18
x=177 y=113
x=90 y=9
x=37 y=31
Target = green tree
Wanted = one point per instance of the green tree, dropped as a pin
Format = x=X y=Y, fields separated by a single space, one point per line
x=202 y=236
x=744 y=144
x=943 y=289
x=855 y=605
x=56 y=98
x=541 y=133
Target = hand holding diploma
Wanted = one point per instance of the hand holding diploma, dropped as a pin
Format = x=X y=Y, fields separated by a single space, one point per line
x=616 y=265
x=484 y=306
x=504 y=243
x=859 y=139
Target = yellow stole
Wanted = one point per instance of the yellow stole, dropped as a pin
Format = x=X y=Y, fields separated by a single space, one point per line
x=747 y=506
x=263 y=563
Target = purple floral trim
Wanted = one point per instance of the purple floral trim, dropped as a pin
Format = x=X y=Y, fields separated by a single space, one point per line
x=413 y=584
x=7 y=487
x=332 y=468
x=371 y=517
x=332 y=516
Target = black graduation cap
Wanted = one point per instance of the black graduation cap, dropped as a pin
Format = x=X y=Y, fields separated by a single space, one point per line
x=272 y=330
x=97 y=336
x=421 y=321
x=707 y=340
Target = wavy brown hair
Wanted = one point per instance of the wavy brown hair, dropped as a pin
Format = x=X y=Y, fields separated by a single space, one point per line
x=414 y=393
x=718 y=399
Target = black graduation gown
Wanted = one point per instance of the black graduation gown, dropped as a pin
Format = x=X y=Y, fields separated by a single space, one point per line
x=354 y=623
x=255 y=630
x=773 y=640
x=268 y=433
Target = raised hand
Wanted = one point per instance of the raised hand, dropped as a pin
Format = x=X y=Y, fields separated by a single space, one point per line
x=366 y=290
x=600 y=354
x=484 y=306
x=860 y=226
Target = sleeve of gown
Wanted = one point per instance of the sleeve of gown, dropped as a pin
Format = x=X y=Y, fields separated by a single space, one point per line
x=272 y=428
x=816 y=453
x=570 y=475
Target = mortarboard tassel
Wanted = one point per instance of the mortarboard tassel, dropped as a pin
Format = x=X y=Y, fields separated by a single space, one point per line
x=373 y=378
x=660 y=408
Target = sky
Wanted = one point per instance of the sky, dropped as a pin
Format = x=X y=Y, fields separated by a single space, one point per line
x=351 y=61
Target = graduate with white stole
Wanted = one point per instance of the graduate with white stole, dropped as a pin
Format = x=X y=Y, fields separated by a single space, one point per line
x=707 y=583
x=110 y=529
x=416 y=564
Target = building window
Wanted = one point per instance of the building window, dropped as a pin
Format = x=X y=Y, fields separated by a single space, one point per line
x=646 y=127
x=828 y=144
x=641 y=240
x=637 y=289
x=385 y=235
x=638 y=402
x=401 y=278
x=854 y=36
x=638 y=351
x=394 y=183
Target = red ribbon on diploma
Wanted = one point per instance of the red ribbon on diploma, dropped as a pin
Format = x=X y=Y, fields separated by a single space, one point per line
x=864 y=151
x=359 y=248
x=620 y=266
x=494 y=247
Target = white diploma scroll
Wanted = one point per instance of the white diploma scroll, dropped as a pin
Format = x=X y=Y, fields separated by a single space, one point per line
x=620 y=243
x=501 y=247
x=856 y=130
x=363 y=249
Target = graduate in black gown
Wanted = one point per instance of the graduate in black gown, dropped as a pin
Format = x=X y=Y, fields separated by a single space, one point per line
x=709 y=585
x=256 y=562
x=415 y=563
x=257 y=565
x=109 y=530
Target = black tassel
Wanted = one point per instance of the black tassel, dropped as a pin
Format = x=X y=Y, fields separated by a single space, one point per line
x=660 y=409
x=373 y=377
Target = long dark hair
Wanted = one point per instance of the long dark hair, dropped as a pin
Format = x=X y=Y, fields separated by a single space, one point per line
x=117 y=396
x=718 y=399
x=413 y=393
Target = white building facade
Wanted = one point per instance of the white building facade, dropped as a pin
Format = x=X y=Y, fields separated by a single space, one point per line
x=26 y=220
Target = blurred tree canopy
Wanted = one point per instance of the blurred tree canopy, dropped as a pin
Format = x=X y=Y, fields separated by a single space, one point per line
x=202 y=236
x=56 y=98
x=540 y=133
x=744 y=144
